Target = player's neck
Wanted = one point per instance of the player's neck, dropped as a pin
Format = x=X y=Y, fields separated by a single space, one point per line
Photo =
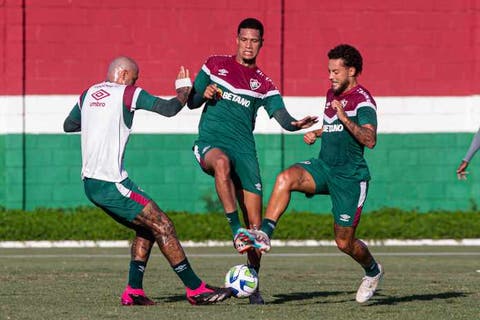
x=352 y=85
x=250 y=63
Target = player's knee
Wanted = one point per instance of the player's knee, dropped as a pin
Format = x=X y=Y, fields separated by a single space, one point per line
x=344 y=245
x=284 y=180
x=222 y=166
x=157 y=222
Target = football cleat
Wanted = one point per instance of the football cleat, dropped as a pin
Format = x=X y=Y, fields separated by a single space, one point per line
x=206 y=294
x=369 y=286
x=256 y=298
x=250 y=238
x=135 y=297
x=241 y=242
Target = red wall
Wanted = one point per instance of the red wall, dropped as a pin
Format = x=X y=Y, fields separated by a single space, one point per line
x=410 y=47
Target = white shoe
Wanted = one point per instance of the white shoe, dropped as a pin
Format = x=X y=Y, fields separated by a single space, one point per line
x=368 y=286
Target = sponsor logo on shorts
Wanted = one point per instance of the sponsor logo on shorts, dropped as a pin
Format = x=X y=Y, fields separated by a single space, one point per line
x=306 y=162
x=258 y=186
x=345 y=217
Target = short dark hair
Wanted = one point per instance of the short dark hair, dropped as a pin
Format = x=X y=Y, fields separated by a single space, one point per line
x=350 y=55
x=251 y=23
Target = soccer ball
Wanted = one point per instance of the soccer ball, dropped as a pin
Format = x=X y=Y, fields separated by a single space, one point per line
x=242 y=280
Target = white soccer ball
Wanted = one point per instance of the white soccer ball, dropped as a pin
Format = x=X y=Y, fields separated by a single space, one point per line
x=242 y=280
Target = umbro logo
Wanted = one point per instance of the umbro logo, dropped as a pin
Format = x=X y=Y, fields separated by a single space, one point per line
x=345 y=217
x=222 y=72
x=100 y=94
x=180 y=268
x=258 y=186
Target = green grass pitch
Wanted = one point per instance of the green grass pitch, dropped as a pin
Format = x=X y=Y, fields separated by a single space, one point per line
x=297 y=283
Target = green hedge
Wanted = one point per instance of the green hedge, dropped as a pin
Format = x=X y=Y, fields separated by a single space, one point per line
x=88 y=223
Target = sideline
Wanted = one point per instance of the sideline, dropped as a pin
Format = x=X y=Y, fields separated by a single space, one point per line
x=236 y=255
x=214 y=243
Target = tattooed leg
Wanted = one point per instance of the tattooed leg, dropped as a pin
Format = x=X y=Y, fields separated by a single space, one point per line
x=163 y=230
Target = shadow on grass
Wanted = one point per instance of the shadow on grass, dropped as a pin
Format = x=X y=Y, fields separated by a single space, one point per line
x=174 y=298
x=301 y=296
x=380 y=299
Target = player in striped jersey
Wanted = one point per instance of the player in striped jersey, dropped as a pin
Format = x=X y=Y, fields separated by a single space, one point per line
x=104 y=115
x=349 y=125
x=233 y=89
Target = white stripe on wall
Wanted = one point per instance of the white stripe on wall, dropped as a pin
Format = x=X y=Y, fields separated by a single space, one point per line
x=45 y=114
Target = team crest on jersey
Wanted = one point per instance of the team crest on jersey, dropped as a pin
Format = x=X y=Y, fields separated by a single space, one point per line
x=254 y=84
x=100 y=94
x=344 y=102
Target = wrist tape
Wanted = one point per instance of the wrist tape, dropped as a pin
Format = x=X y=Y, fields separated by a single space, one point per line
x=184 y=82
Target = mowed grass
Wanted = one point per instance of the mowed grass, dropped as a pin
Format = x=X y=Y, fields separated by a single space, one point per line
x=297 y=283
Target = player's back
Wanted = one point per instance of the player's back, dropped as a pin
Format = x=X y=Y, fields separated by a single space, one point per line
x=104 y=132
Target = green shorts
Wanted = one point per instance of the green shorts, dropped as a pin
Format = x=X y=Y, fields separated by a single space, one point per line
x=347 y=195
x=245 y=171
x=123 y=201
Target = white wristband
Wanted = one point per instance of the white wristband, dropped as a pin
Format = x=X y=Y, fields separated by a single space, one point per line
x=184 y=82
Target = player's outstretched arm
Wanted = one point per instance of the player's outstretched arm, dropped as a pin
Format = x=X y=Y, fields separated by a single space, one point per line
x=169 y=108
x=462 y=170
x=306 y=122
x=183 y=85
x=291 y=124
x=472 y=150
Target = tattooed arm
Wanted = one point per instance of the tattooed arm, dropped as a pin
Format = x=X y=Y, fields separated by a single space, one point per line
x=365 y=134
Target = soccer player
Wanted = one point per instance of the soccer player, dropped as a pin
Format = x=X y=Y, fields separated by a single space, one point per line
x=474 y=146
x=104 y=115
x=233 y=89
x=349 y=125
